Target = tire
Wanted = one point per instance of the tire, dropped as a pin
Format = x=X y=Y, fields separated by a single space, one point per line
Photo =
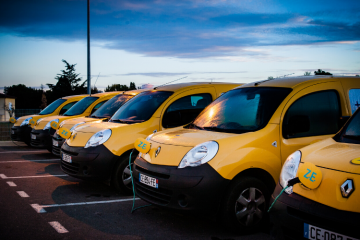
x=121 y=179
x=244 y=207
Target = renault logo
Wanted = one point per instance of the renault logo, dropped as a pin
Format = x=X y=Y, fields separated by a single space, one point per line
x=157 y=151
x=347 y=188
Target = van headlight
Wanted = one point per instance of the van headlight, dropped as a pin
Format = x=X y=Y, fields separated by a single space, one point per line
x=38 y=121
x=48 y=125
x=98 y=138
x=71 y=129
x=62 y=124
x=200 y=154
x=289 y=170
x=149 y=137
x=26 y=121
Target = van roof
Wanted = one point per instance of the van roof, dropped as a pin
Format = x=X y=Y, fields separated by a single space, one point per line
x=292 y=82
x=177 y=86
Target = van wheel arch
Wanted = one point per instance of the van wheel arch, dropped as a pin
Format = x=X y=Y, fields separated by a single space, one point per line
x=259 y=173
x=121 y=162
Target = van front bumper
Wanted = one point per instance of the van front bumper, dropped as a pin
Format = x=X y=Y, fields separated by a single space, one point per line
x=88 y=163
x=190 y=189
x=42 y=138
x=21 y=133
x=291 y=212
x=57 y=142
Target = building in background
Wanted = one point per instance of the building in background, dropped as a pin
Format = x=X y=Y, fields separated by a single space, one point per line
x=4 y=106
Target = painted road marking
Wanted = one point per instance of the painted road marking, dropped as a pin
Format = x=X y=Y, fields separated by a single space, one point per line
x=58 y=227
x=43 y=151
x=45 y=160
x=40 y=208
x=5 y=177
x=11 y=184
x=22 y=194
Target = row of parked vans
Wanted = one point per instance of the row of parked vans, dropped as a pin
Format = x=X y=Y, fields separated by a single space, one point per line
x=220 y=149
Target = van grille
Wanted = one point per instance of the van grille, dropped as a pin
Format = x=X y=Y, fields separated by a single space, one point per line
x=72 y=168
x=154 y=195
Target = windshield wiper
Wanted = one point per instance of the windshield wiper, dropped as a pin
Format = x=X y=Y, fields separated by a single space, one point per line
x=216 y=129
x=356 y=137
x=126 y=121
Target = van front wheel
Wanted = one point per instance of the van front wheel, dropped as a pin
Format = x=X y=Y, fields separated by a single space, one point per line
x=245 y=204
x=121 y=178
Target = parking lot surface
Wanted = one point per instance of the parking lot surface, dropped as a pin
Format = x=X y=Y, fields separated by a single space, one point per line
x=39 y=201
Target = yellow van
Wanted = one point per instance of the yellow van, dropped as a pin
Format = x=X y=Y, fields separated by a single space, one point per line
x=331 y=211
x=101 y=150
x=102 y=114
x=229 y=159
x=41 y=134
x=22 y=127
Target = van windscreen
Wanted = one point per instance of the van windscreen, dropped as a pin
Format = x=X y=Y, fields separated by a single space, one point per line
x=109 y=108
x=241 y=110
x=52 y=107
x=80 y=106
x=141 y=107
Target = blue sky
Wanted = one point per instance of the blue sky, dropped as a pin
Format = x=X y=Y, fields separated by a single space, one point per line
x=157 y=41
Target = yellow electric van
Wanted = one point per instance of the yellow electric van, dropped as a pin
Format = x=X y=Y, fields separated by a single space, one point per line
x=102 y=114
x=228 y=161
x=22 y=127
x=101 y=150
x=332 y=210
x=41 y=134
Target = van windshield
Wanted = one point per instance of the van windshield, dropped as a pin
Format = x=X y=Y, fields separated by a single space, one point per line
x=141 y=108
x=52 y=107
x=80 y=106
x=351 y=131
x=241 y=110
x=109 y=108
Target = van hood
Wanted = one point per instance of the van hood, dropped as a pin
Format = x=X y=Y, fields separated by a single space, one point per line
x=188 y=137
x=71 y=122
x=94 y=127
x=334 y=155
x=45 y=120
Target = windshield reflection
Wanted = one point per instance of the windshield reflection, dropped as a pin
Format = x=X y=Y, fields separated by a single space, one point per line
x=241 y=110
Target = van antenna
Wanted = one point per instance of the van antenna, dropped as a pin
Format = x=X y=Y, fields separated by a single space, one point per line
x=170 y=82
x=95 y=82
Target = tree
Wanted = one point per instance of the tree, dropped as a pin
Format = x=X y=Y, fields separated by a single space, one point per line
x=26 y=97
x=307 y=73
x=68 y=83
x=119 y=87
x=270 y=78
x=321 y=72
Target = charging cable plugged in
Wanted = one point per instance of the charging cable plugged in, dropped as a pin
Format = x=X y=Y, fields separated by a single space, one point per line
x=309 y=176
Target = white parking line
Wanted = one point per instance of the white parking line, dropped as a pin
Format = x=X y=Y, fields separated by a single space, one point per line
x=45 y=160
x=22 y=194
x=25 y=151
x=11 y=184
x=40 y=208
x=58 y=227
x=5 y=177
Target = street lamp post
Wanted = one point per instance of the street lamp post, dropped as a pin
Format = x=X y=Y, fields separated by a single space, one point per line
x=88 y=49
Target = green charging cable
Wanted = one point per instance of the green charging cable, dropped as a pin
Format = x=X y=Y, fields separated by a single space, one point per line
x=291 y=183
x=133 y=188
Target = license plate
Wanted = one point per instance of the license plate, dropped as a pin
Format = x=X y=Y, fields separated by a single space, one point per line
x=55 y=143
x=12 y=132
x=33 y=136
x=312 y=232
x=66 y=158
x=150 y=181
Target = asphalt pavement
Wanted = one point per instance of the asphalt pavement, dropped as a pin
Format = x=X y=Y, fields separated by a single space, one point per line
x=39 y=201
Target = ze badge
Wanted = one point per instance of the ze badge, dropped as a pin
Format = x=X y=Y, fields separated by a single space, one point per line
x=64 y=133
x=12 y=120
x=309 y=175
x=54 y=125
x=142 y=145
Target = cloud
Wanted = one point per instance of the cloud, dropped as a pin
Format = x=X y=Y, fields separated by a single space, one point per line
x=183 y=29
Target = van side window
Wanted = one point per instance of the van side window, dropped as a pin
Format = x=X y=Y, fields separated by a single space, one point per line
x=97 y=106
x=312 y=115
x=66 y=107
x=354 y=96
x=185 y=110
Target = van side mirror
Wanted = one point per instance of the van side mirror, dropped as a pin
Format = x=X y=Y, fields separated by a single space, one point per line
x=298 y=124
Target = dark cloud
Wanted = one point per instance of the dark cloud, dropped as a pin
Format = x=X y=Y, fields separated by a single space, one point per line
x=183 y=29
